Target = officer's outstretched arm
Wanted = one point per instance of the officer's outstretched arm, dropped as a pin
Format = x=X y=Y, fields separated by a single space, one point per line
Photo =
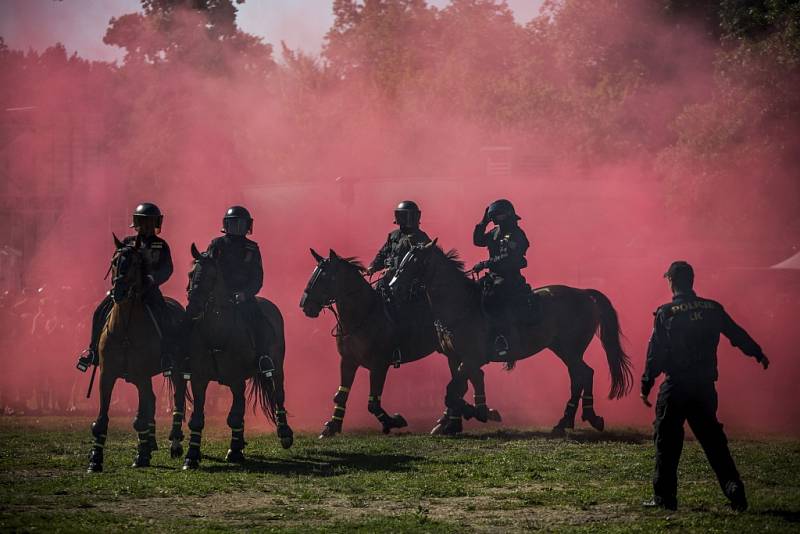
x=741 y=339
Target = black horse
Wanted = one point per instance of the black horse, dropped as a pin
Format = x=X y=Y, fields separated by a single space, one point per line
x=221 y=349
x=569 y=319
x=367 y=337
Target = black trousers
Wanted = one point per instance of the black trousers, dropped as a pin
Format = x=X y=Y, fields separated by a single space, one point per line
x=696 y=404
x=260 y=329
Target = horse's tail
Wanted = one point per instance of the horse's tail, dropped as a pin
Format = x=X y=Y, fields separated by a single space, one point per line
x=262 y=395
x=610 y=333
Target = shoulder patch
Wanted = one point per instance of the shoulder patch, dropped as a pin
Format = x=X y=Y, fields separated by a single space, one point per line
x=156 y=244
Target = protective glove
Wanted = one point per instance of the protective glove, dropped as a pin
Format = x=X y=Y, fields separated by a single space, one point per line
x=764 y=361
x=481 y=265
x=486 y=220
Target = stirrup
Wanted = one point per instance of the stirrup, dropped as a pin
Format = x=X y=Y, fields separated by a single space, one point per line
x=397 y=358
x=501 y=345
x=266 y=366
x=166 y=366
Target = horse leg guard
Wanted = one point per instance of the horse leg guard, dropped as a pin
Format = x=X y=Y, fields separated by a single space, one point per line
x=568 y=420
x=448 y=425
x=481 y=410
x=235 y=454
x=388 y=422
x=176 y=435
x=334 y=425
x=192 y=460
x=152 y=439
x=143 y=451
x=99 y=430
x=285 y=433
x=588 y=414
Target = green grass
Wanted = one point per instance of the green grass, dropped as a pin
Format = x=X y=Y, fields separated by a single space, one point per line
x=500 y=480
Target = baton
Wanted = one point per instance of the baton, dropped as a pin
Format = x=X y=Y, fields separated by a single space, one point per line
x=91 y=382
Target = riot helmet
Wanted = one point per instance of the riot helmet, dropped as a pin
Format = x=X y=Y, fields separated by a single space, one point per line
x=502 y=212
x=407 y=214
x=147 y=219
x=237 y=221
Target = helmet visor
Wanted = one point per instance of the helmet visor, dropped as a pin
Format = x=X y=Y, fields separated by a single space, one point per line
x=236 y=225
x=406 y=218
x=145 y=224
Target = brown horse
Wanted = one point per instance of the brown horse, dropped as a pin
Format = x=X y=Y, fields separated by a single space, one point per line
x=568 y=320
x=367 y=337
x=221 y=349
x=130 y=348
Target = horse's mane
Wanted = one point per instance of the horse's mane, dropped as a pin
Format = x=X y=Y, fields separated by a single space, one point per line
x=354 y=262
x=453 y=258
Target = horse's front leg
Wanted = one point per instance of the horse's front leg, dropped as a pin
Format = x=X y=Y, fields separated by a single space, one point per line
x=236 y=424
x=377 y=378
x=347 y=374
x=451 y=422
x=196 y=423
x=178 y=415
x=100 y=425
x=284 y=431
x=144 y=423
x=481 y=410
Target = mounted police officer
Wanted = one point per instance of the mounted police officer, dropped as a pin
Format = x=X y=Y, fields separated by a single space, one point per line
x=504 y=283
x=684 y=347
x=157 y=264
x=406 y=216
x=239 y=260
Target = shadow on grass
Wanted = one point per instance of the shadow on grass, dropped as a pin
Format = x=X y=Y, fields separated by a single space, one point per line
x=633 y=437
x=790 y=516
x=334 y=463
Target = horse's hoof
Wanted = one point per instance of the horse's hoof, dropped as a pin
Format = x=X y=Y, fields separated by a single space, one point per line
x=597 y=422
x=94 y=468
x=141 y=461
x=438 y=430
x=482 y=413
x=190 y=463
x=176 y=450
x=234 y=456
x=558 y=431
x=453 y=427
x=494 y=415
x=398 y=421
x=287 y=441
x=329 y=430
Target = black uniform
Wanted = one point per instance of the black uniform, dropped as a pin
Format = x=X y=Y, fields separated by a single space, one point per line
x=507 y=246
x=684 y=347
x=157 y=268
x=397 y=245
x=240 y=262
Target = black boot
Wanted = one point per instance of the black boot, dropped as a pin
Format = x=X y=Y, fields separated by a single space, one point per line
x=735 y=493
x=266 y=366
x=397 y=358
x=501 y=347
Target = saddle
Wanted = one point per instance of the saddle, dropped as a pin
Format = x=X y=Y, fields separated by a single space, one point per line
x=521 y=305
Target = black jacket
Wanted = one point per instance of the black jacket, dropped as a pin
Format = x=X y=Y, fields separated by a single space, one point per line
x=240 y=262
x=156 y=255
x=397 y=245
x=507 y=248
x=685 y=338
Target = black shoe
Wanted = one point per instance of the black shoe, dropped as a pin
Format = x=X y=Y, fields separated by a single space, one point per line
x=658 y=502
x=85 y=359
x=735 y=493
x=397 y=358
x=501 y=346
x=266 y=366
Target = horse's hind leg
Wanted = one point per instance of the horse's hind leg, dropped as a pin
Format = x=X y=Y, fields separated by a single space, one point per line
x=347 y=374
x=481 y=410
x=196 y=424
x=178 y=414
x=576 y=387
x=236 y=424
x=100 y=426
x=144 y=423
x=377 y=379
x=587 y=401
x=454 y=401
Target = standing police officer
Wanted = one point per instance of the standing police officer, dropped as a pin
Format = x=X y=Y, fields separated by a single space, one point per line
x=239 y=260
x=507 y=245
x=147 y=221
x=406 y=215
x=684 y=347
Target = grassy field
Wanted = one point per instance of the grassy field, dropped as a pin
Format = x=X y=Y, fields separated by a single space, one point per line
x=364 y=482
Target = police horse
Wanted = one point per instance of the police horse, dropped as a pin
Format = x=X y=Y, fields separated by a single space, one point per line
x=221 y=349
x=130 y=347
x=367 y=337
x=568 y=319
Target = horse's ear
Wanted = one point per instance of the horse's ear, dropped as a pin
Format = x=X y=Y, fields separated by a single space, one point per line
x=195 y=253
x=117 y=242
x=332 y=254
x=316 y=255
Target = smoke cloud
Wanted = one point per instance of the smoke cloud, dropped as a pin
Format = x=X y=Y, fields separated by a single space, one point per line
x=627 y=136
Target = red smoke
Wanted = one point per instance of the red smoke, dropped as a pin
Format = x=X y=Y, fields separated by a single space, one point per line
x=321 y=151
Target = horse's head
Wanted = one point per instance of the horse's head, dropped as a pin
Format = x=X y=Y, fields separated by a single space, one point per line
x=413 y=268
x=202 y=279
x=320 y=291
x=126 y=270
